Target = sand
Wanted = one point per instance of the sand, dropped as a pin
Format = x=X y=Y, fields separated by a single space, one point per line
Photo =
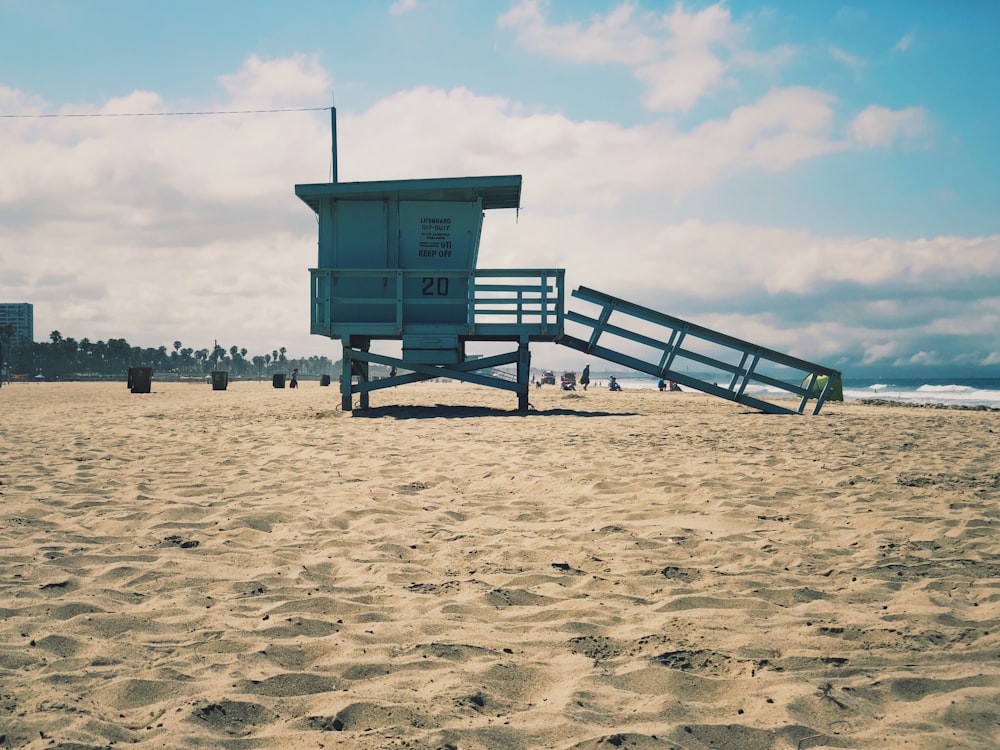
x=254 y=568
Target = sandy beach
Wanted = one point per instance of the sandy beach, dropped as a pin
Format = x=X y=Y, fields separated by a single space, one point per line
x=254 y=568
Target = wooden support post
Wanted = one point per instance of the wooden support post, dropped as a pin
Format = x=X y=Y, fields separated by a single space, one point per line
x=362 y=367
x=523 y=375
x=345 y=379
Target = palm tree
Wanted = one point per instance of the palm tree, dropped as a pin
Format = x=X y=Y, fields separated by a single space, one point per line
x=68 y=351
x=101 y=358
x=218 y=353
x=118 y=355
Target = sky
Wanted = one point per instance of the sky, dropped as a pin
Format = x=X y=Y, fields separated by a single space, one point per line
x=818 y=178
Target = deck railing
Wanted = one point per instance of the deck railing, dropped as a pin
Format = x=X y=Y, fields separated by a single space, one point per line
x=386 y=303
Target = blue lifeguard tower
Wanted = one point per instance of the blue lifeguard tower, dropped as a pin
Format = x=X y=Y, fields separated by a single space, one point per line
x=397 y=261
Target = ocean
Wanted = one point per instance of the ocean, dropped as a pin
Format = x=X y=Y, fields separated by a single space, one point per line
x=947 y=391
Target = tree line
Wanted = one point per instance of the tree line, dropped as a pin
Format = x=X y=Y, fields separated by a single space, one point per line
x=64 y=358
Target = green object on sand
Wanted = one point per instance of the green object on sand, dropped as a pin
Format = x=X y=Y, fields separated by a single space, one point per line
x=836 y=390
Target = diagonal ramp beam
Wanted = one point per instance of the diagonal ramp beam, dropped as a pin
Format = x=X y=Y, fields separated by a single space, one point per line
x=672 y=347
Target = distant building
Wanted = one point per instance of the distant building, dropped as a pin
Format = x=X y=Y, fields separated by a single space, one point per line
x=21 y=315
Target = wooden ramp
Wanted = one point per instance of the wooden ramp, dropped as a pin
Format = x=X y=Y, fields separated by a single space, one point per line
x=669 y=348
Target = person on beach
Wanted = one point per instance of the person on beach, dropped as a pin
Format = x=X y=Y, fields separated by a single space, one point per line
x=613 y=384
x=585 y=377
x=295 y=381
x=662 y=385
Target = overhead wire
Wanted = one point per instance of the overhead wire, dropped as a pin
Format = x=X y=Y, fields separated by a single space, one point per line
x=166 y=114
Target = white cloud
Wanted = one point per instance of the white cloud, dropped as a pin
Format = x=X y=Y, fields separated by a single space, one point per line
x=703 y=28
x=620 y=37
x=879 y=127
x=581 y=163
x=680 y=81
x=923 y=359
x=964 y=323
x=769 y=61
x=400 y=7
x=905 y=42
x=874 y=353
x=784 y=127
x=680 y=56
x=853 y=62
x=297 y=81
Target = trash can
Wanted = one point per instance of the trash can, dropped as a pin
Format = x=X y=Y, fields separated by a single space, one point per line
x=220 y=380
x=324 y=380
x=278 y=380
x=140 y=379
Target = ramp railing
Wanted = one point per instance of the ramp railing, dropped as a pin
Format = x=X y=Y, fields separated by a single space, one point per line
x=666 y=347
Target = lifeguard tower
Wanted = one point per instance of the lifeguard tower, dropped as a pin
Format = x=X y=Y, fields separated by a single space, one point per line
x=397 y=261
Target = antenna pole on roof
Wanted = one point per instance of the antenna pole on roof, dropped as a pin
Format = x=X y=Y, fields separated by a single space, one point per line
x=333 y=139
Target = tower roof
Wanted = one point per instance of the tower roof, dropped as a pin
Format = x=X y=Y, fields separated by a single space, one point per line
x=498 y=191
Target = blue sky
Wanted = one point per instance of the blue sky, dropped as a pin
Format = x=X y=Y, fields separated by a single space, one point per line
x=819 y=178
